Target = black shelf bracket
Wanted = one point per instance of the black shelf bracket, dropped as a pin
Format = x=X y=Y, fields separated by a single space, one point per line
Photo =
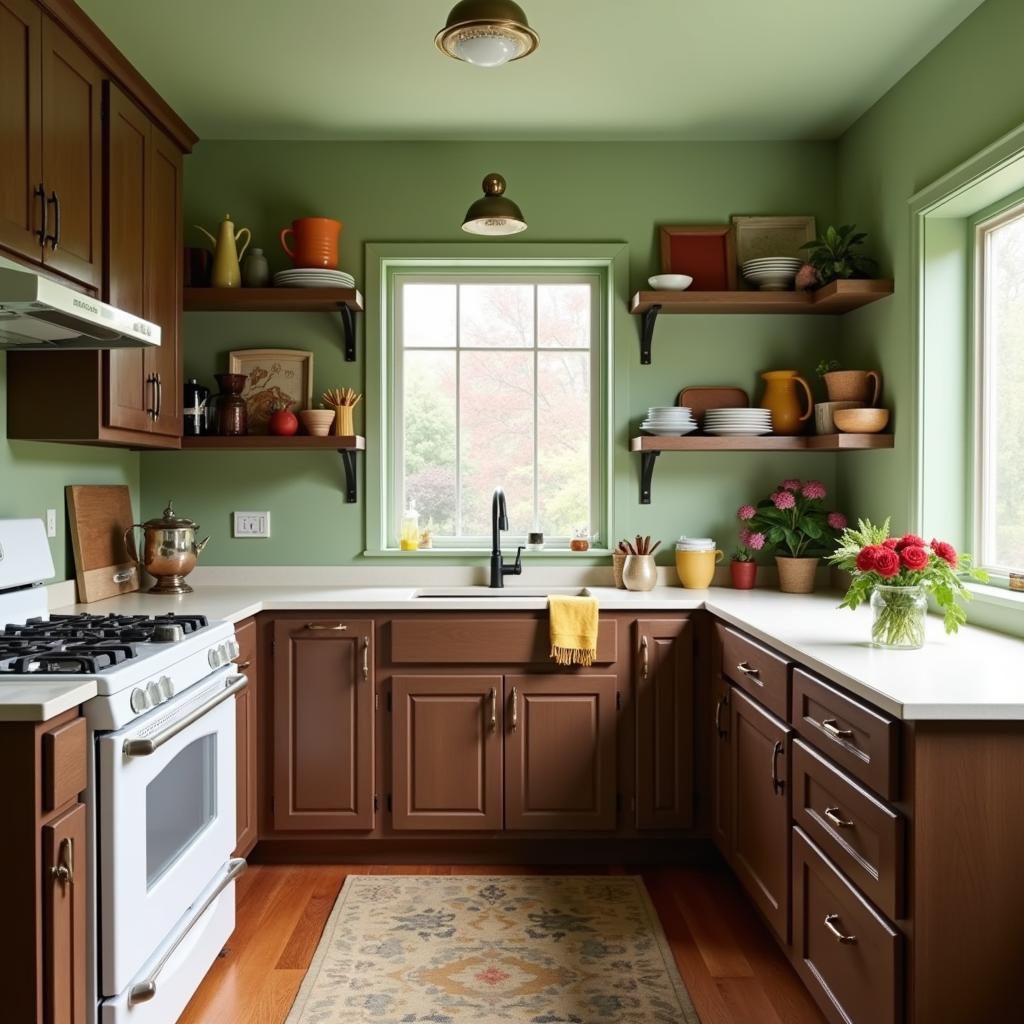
x=348 y=461
x=647 y=460
x=648 y=318
x=348 y=325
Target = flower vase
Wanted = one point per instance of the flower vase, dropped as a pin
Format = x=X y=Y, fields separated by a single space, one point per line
x=796 y=575
x=898 y=617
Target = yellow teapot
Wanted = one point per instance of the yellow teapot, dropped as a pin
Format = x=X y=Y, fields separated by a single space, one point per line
x=225 y=253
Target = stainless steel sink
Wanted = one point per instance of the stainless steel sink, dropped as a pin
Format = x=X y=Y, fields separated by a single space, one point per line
x=464 y=593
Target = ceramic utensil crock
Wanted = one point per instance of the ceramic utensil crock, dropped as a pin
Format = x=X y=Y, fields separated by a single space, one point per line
x=639 y=572
x=169 y=550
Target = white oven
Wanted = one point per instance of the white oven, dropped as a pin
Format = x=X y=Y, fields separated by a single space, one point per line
x=165 y=834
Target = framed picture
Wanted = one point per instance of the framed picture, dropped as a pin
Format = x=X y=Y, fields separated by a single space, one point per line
x=705 y=252
x=758 y=237
x=276 y=377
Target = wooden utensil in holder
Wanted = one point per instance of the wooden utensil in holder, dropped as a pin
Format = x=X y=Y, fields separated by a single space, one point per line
x=342 y=401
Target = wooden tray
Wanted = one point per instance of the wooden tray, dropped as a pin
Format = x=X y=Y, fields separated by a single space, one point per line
x=98 y=516
x=700 y=399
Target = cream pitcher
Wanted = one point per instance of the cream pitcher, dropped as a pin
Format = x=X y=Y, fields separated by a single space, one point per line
x=225 y=254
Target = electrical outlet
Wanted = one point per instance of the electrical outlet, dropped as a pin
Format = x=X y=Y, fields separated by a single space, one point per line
x=51 y=522
x=252 y=524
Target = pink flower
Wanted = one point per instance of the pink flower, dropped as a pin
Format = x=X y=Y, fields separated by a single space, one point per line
x=755 y=541
x=945 y=551
x=813 y=489
x=837 y=520
x=789 y=485
x=783 y=499
x=746 y=512
x=745 y=537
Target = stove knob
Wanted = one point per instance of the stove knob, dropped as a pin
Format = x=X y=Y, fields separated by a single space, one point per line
x=215 y=657
x=139 y=701
x=166 y=687
x=155 y=696
x=168 y=633
x=233 y=649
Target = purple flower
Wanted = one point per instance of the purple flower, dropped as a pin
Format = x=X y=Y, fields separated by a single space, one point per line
x=746 y=512
x=755 y=541
x=837 y=520
x=813 y=489
x=783 y=499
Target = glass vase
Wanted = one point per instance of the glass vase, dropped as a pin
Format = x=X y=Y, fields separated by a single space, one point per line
x=898 y=617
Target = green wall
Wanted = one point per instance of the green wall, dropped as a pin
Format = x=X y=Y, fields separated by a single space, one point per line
x=416 y=192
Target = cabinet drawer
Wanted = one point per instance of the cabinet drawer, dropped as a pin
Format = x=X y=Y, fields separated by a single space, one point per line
x=846 y=953
x=759 y=671
x=245 y=634
x=860 y=834
x=862 y=740
x=484 y=641
x=64 y=764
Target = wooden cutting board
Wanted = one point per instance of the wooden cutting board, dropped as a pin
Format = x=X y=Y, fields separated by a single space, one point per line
x=700 y=399
x=99 y=516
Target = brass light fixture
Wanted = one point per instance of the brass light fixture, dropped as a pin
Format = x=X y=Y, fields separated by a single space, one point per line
x=495 y=213
x=487 y=33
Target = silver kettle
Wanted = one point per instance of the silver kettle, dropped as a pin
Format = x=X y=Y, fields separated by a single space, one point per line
x=169 y=550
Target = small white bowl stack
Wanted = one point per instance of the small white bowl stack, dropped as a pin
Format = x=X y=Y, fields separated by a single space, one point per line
x=772 y=273
x=737 y=422
x=669 y=421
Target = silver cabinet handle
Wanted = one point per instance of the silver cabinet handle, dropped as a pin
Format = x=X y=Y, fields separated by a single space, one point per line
x=144 y=990
x=830 y=924
x=366 y=658
x=337 y=627
x=151 y=381
x=515 y=709
x=644 y=658
x=748 y=670
x=64 y=869
x=831 y=726
x=833 y=815
x=494 y=709
x=145 y=747
x=777 y=783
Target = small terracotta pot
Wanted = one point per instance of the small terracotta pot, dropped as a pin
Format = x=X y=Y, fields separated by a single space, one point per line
x=744 y=575
x=796 y=575
x=639 y=572
x=618 y=561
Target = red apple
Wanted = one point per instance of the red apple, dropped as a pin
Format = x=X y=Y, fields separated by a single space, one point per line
x=283 y=422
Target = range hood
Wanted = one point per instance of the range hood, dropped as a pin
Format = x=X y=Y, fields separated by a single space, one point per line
x=38 y=314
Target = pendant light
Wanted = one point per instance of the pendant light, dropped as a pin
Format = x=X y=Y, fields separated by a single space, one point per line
x=487 y=33
x=495 y=213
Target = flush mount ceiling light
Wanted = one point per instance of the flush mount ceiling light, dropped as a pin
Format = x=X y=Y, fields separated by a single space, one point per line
x=495 y=213
x=487 y=33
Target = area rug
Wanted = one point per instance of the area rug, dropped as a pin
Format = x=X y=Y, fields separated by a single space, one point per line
x=492 y=950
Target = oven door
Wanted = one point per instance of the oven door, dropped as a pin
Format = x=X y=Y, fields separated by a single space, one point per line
x=166 y=820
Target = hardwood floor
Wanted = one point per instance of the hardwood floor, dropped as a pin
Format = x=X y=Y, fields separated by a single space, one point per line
x=734 y=971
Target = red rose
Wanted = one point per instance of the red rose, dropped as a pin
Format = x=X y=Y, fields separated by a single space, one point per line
x=867 y=557
x=909 y=540
x=891 y=543
x=914 y=558
x=945 y=551
x=887 y=563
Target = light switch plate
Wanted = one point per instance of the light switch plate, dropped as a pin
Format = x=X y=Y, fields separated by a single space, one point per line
x=51 y=522
x=251 y=524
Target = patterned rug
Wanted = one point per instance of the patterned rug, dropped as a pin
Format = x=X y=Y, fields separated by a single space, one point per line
x=492 y=950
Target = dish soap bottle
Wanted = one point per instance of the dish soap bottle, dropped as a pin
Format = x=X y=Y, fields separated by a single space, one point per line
x=409 y=533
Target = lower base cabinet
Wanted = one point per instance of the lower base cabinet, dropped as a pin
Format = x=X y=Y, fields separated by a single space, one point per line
x=246 y=744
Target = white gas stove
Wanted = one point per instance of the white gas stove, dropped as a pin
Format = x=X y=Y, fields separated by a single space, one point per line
x=161 y=791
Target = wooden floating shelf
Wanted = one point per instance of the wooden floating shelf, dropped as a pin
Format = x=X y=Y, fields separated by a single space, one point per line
x=651 y=447
x=346 y=445
x=831 y=299
x=344 y=301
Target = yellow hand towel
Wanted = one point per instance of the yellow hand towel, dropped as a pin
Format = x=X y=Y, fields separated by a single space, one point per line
x=573 y=629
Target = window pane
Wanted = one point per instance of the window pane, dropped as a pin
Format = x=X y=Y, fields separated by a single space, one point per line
x=1003 y=399
x=496 y=315
x=496 y=411
x=429 y=433
x=563 y=315
x=428 y=315
x=563 y=441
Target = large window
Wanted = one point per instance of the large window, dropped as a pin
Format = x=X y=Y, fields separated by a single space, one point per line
x=999 y=394
x=496 y=381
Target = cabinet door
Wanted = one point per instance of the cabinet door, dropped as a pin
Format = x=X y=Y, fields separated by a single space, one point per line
x=131 y=396
x=721 y=768
x=664 y=723
x=761 y=833
x=446 y=752
x=560 y=752
x=323 y=725
x=72 y=158
x=64 y=954
x=20 y=127
x=245 y=741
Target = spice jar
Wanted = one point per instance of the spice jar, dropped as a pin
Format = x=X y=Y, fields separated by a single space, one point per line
x=580 y=540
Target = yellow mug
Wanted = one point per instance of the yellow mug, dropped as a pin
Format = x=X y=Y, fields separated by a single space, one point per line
x=696 y=569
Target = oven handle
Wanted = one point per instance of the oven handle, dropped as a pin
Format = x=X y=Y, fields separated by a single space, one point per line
x=145 y=990
x=142 y=748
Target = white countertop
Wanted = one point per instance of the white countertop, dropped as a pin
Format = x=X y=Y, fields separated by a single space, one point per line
x=977 y=674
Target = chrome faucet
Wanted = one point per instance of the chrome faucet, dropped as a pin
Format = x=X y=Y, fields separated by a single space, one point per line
x=499 y=522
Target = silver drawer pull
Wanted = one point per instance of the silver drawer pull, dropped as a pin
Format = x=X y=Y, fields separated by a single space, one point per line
x=337 y=627
x=830 y=924
x=831 y=726
x=146 y=989
x=145 y=747
x=833 y=815
x=747 y=670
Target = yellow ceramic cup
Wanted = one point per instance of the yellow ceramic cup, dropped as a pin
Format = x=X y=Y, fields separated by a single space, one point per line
x=696 y=569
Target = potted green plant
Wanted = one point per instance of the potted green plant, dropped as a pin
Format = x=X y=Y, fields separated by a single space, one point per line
x=833 y=256
x=743 y=568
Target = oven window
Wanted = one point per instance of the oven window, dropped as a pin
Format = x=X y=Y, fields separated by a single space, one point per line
x=180 y=802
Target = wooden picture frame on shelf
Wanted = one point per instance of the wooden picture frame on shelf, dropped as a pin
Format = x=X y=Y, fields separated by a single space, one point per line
x=706 y=252
x=276 y=376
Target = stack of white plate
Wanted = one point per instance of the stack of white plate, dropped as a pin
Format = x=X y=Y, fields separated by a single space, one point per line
x=772 y=273
x=669 y=421
x=311 y=277
x=737 y=422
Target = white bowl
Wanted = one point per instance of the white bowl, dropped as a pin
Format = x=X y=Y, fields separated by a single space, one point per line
x=771 y=280
x=670 y=282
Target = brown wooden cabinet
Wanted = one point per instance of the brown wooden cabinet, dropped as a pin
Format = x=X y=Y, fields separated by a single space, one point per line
x=760 y=805
x=663 y=688
x=323 y=715
x=246 y=765
x=447 y=752
x=560 y=752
